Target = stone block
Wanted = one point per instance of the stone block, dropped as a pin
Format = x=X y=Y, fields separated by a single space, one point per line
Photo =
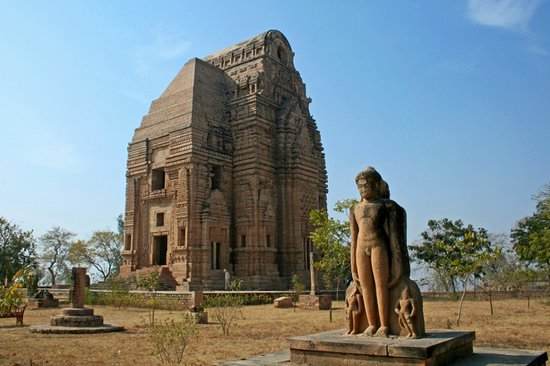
x=314 y=302
x=200 y=317
x=78 y=311
x=283 y=302
x=76 y=321
x=42 y=303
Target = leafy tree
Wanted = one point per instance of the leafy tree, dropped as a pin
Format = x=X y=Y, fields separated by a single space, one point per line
x=55 y=249
x=438 y=249
x=331 y=238
x=531 y=235
x=103 y=253
x=456 y=252
x=78 y=253
x=17 y=250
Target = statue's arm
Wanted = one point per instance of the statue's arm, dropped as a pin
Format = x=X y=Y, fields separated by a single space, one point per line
x=397 y=235
x=359 y=301
x=413 y=308
x=354 y=229
x=397 y=309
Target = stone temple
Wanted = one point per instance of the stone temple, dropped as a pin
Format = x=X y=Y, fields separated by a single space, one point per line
x=223 y=171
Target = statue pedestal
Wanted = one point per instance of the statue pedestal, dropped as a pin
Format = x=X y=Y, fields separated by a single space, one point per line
x=439 y=347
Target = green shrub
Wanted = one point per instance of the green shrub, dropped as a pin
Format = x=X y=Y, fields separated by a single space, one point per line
x=171 y=337
x=297 y=286
x=11 y=297
x=226 y=309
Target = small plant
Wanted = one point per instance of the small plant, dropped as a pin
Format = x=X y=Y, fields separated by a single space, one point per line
x=119 y=295
x=170 y=339
x=11 y=297
x=235 y=285
x=151 y=283
x=227 y=308
x=297 y=286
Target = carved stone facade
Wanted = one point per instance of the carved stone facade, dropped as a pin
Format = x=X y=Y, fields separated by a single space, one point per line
x=223 y=171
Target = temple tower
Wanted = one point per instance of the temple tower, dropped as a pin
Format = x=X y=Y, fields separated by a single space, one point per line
x=224 y=170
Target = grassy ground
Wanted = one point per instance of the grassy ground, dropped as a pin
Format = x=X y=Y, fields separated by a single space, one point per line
x=262 y=329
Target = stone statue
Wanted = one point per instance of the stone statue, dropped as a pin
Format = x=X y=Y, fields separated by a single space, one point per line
x=379 y=257
x=354 y=309
x=406 y=311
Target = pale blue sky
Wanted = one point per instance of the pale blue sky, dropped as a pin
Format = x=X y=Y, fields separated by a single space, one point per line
x=450 y=100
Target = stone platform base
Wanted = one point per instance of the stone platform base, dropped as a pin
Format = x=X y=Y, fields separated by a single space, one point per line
x=52 y=329
x=77 y=317
x=76 y=321
x=480 y=357
x=439 y=347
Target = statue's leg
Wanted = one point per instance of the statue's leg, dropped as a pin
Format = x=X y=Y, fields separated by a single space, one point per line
x=350 y=323
x=410 y=325
x=402 y=323
x=405 y=325
x=356 y=320
x=381 y=274
x=368 y=290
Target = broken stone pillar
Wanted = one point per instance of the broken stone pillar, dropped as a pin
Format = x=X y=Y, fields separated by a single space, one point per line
x=78 y=295
x=77 y=319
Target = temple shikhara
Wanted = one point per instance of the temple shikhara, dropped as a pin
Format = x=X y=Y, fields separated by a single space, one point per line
x=223 y=171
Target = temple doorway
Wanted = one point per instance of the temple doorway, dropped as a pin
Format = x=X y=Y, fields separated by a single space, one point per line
x=160 y=247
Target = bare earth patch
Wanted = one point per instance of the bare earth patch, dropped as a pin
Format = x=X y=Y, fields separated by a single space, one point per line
x=262 y=329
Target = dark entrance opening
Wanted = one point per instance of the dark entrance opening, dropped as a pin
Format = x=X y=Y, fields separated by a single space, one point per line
x=160 y=246
x=214 y=255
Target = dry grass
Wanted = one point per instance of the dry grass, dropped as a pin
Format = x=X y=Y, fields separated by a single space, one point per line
x=263 y=329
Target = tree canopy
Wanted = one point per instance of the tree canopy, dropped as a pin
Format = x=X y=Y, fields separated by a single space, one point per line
x=331 y=238
x=103 y=253
x=453 y=251
x=17 y=250
x=457 y=253
x=55 y=250
x=531 y=235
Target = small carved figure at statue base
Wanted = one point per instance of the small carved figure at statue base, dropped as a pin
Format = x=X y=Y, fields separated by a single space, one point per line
x=406 y=311
x=354 y=310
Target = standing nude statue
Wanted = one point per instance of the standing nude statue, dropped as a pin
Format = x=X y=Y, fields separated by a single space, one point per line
x=406 y=311
x=379 y=256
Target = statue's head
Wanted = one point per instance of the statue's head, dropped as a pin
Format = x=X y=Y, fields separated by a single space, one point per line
x=370 y=185
x=405 y=293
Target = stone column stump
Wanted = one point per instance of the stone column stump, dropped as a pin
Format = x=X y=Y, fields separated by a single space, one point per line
x=77 y=319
